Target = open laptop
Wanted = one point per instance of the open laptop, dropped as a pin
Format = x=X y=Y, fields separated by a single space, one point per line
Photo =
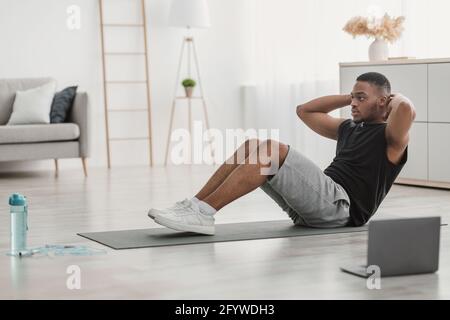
x=401 y=247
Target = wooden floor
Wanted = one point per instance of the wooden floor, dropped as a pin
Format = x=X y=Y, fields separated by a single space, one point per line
x=288 y=268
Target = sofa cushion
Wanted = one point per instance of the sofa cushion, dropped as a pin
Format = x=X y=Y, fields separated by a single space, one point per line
x=33 y=106
x=62 y=103
x=8 y=88
x=31 y=133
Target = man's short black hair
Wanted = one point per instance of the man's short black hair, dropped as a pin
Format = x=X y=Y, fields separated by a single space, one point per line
x=376 y=79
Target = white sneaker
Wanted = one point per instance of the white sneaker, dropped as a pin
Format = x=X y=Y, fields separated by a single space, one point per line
x=188 y=218
x=152 y=213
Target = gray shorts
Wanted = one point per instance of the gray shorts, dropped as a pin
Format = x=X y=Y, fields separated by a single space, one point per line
x=307 y=195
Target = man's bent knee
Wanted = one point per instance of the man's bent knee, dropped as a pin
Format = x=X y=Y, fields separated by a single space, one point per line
x=273 y=150
x=243 y=152
x=250 y=146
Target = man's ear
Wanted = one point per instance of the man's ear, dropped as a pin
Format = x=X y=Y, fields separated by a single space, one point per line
x=381 y=104
x=383 y=101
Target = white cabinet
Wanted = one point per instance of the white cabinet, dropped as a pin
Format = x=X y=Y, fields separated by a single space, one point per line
x=439 y=151
x=439 y=92
x=417 y=165
x=427 y=83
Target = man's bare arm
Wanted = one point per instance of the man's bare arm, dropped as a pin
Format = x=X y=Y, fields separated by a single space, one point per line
x=326 y=104
x=400 y=116
x=315 y=114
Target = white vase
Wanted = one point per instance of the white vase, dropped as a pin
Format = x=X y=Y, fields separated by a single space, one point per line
x=378 y=50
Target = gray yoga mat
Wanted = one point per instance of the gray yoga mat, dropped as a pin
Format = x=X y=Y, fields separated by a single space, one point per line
x=156 y=237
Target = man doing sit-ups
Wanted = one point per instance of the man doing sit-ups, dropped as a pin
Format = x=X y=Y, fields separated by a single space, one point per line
x=371 y=150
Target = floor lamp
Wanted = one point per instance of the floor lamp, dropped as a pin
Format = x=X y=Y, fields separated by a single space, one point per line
x=188 y=14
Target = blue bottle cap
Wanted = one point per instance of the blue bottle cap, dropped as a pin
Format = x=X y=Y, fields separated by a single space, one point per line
x=16 y=199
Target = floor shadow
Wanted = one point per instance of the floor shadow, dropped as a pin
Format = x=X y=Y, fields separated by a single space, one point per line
x=24 y=174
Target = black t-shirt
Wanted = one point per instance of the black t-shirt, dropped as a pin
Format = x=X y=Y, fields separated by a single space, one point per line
x=362 y=168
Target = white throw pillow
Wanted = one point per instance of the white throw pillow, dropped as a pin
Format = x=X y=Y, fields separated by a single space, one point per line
x=33 y=106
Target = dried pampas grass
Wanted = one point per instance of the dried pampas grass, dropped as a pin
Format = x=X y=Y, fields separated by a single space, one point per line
x=387 y=28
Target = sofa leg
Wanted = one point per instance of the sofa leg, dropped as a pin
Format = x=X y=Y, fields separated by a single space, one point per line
x=56 y=168
x=83 y=160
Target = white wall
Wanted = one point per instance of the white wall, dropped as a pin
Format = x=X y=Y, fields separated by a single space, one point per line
x=426 y=28
x=35 y=42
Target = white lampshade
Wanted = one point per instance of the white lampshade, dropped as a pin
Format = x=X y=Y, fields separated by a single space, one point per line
x=189 y=13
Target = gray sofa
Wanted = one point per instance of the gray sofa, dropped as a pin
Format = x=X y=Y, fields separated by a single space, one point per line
x=43 y=141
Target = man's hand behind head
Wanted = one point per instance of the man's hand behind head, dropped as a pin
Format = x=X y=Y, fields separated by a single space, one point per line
x=394 y=101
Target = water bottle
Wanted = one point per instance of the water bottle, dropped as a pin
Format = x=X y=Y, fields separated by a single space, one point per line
x=19 y=224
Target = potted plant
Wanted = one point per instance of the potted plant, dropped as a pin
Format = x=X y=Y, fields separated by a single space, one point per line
x=383 y=30
x=188 y=85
